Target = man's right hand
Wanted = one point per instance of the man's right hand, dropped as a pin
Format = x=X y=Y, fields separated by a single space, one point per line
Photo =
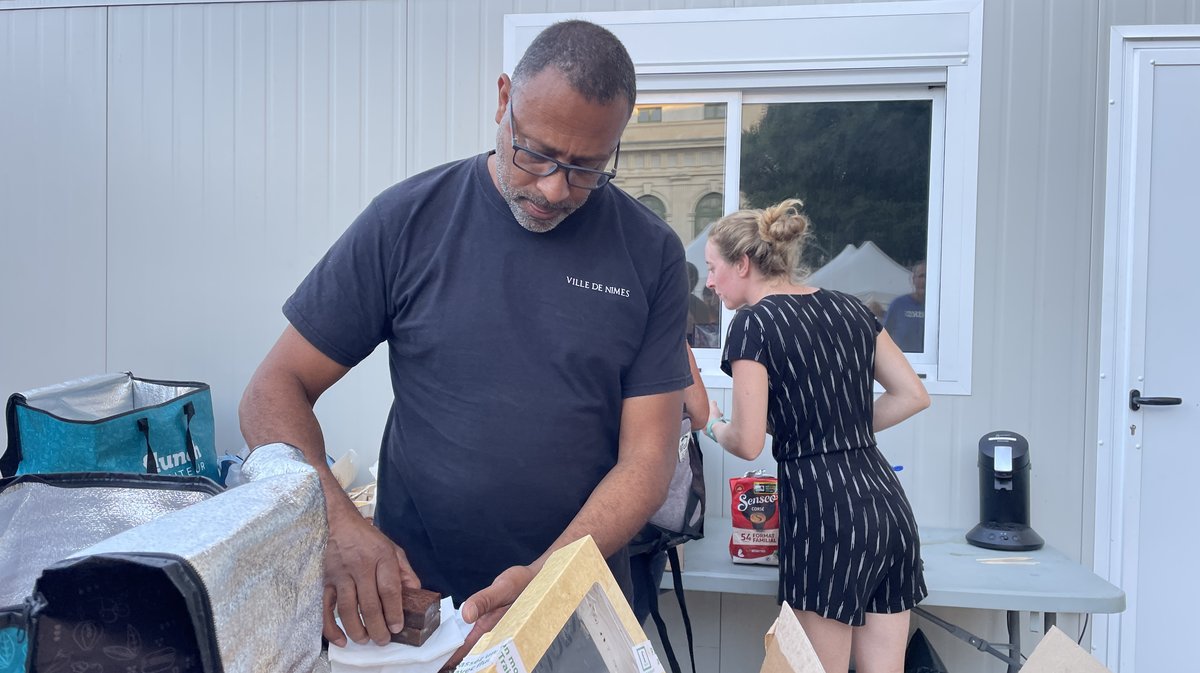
x=365 y=577
x=365 y=574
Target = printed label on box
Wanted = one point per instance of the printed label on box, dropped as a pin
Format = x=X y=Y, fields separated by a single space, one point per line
x=646 y=658
x=504 y=657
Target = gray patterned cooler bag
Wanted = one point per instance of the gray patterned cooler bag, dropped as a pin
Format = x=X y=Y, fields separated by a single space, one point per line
x=204 y=584
x=45 y=518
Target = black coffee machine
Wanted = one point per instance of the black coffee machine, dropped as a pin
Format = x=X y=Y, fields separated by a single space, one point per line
x=1004 y=495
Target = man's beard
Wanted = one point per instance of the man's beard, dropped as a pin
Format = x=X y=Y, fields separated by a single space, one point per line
x=513 y=198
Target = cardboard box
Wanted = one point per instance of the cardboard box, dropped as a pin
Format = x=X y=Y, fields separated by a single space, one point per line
x=788 y=647
x=1058 y=653
x=573 y=607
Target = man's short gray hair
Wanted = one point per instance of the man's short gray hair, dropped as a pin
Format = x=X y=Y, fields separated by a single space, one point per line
x=593 y=60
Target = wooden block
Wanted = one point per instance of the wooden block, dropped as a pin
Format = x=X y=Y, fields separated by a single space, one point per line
x=422 y=615
x=420 y=606
x=417 y=635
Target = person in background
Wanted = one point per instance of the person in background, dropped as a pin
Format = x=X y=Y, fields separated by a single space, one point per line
x=534 y=318
x=803 y=362
x=702 y=317
x=877 y=309
x=905 y=319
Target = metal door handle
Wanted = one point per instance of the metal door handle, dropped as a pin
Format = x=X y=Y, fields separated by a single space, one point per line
x=1136 y=400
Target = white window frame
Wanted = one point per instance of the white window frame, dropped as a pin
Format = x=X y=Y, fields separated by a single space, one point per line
x=763 y=51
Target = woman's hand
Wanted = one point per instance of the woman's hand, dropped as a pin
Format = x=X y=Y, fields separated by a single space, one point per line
x=714 y=412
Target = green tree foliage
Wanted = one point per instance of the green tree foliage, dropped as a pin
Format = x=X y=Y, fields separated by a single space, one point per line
x=861 y=168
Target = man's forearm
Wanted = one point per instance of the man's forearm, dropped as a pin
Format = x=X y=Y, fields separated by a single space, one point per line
x=618 y=508
x=272 y=412
x=637 y=485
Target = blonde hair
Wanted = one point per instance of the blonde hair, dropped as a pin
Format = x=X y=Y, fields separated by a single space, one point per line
x=772 y=238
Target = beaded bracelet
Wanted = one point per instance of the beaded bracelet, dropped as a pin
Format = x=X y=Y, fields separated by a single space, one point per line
x=708 y=429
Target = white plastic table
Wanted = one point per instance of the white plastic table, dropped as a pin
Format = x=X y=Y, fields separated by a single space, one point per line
x=957 y=574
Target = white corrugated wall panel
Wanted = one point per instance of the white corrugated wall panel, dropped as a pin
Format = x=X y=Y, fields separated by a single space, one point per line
x=52 y=228
x=244 y=138
x=1035 y=222
x=1149 y=12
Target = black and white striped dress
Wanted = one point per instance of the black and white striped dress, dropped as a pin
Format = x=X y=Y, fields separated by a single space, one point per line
x=848 y=540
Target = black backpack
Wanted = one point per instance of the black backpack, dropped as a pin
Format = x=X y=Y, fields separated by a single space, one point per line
x=680 y=519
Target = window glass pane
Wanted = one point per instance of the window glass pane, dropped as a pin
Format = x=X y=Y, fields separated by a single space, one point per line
x=677 y=159
x=647 y=114
x=862 y=170
x=708 y=210
x=656 y=204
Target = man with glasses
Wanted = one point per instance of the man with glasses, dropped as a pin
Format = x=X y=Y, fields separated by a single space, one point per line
x=534 y=316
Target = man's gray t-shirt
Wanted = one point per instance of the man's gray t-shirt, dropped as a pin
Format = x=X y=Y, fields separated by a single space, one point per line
x=511 y=353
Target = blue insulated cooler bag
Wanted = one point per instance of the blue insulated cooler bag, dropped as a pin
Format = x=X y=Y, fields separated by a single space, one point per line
x=112 y=423
x=13 y=648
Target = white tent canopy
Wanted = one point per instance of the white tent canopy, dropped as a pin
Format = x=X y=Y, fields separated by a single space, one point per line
x=694 y=253
x=864 y=271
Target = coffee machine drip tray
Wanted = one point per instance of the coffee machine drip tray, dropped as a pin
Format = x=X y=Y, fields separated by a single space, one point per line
x=1005 y=536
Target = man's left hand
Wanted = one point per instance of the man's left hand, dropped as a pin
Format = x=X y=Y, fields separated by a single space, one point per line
x=484 y=609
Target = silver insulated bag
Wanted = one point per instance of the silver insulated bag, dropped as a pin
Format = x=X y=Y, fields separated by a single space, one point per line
x=123 y=572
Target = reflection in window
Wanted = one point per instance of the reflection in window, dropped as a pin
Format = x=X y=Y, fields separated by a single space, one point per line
x=675 y=163
x=654 y=203
x=862 y=170
x=905 y=317
x=708 y=210
x=649 y=114
x=704 y=311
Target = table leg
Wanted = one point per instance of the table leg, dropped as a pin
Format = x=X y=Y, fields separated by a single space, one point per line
x=1014 y=639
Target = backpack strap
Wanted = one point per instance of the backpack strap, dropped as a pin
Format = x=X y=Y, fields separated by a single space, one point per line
x=652 y=602
x=677 y=578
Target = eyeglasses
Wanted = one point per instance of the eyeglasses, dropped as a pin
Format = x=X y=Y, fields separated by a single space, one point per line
x=536 y=163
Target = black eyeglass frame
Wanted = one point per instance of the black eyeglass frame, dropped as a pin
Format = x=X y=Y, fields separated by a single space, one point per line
x=602 y=177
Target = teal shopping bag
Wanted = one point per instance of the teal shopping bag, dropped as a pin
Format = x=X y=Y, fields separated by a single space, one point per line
x=112 y=423
x=13 y=648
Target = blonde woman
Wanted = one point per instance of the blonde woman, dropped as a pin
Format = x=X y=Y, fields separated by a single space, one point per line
x=803 y=362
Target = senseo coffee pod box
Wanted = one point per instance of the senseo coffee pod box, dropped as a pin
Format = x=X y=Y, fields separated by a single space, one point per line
x=755 y=514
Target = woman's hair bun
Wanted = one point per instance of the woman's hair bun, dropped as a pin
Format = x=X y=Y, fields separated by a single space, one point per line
x=783 y=222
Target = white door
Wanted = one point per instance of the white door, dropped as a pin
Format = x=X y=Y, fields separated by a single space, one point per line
x=1152 y=307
